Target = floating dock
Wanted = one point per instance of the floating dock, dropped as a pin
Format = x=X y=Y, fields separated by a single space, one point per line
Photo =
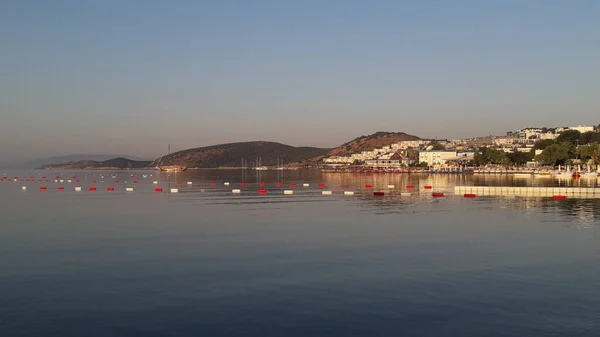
x=576 y=192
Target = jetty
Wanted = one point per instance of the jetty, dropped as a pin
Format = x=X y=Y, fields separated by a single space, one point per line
x=575 y=192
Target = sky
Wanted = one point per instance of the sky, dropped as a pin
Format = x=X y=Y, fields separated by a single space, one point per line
x=132 y=76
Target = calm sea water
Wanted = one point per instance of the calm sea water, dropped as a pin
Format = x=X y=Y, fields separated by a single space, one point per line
x=215 y=264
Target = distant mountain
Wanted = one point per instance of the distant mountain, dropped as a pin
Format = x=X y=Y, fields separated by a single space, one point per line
x=368 y=143
x=231 y=155
x=71 y=158
x=114 y=163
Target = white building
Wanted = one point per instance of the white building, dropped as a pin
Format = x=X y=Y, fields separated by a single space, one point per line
x=442 y=157
x=582 y=128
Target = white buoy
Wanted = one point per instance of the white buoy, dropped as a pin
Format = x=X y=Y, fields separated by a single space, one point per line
x=78 y=189
x=129 y=189
x=62 y=181
x=391 y=186
x=226 y=183
x=348 y=193
x=189 y=182
x=174 y=190
x=236 y=191
x=405 y=194
x=54 y=180
x=24 y=188
x=305 y=185
x=69 y=180
x=288 y=192
x=155 y=182
x=327 y=193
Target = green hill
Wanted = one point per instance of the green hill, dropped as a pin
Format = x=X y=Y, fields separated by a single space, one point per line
x=231 y=155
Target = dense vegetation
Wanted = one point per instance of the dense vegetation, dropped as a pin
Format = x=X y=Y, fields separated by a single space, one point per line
x=231 y=155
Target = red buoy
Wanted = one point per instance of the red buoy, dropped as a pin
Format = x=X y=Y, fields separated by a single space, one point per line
x=158 y=190
x=559 y=197
x=469 y=195
x=437 y=195
x=261 y=191
x=213 y=183
x=135 y=181
x=428 y=187
x=110 y=188
x=278 y=185
x=60 y=188
x=262 y=184
x=368 y=186
x=180 y=183
x=92 y=188
x=77 y=181
x=43 y=188
x=292 y=185
x=321 y=185
x=410 y=186
x=242 y=184
x=378 y=194
x=116 y=181
x=93 y=181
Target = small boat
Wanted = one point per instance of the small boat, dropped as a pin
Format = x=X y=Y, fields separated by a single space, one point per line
x=172 y=168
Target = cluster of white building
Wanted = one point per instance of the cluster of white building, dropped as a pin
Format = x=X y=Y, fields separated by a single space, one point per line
x=530 y=136
x=384 y=153
x=520 y=141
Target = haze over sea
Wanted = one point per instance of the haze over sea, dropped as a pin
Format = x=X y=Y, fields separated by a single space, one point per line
x=216 y=264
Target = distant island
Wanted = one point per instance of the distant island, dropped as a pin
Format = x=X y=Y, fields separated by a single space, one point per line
x=111 y=164
x=231 y=155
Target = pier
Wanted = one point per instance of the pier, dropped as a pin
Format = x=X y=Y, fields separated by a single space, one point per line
x=575 y=192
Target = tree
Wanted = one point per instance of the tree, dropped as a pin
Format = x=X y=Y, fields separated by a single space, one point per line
x=591 y=150
x=490 y=156
x=569 y=136
x=412 y=154
x=436 y=145
x=555 y=154
x=520 y=158
x=589 y=137
x=542 y=144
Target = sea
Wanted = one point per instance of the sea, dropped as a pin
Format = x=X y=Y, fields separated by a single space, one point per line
x=208 y=262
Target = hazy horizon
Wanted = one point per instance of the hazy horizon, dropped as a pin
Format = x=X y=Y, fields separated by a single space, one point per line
x=131 y=77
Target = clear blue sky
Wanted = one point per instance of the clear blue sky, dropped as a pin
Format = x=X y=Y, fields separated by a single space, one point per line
x=132 y=76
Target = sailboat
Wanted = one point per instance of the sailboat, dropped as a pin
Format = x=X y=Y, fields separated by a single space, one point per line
x=259 y=167
x=170 y=168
